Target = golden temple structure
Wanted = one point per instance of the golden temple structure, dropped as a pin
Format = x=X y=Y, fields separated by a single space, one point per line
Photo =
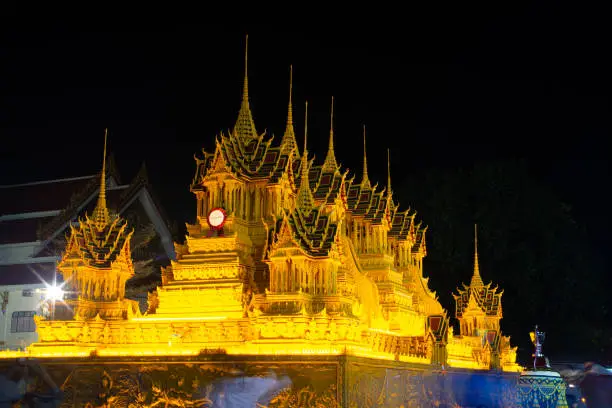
x=287 y=257
x=478 y=309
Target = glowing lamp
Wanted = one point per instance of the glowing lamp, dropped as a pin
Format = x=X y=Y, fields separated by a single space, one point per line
x=54 y=292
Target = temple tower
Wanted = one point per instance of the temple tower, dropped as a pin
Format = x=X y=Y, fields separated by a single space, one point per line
x=478 y=309
x=300 y=280
x=478 y=306
x=97 y=262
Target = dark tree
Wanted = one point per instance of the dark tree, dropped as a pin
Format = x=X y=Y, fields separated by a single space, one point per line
x=529 y=245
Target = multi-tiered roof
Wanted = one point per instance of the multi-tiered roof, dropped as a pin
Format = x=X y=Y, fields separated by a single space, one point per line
x=487 y=298
x=244 y=152
x=97 y=250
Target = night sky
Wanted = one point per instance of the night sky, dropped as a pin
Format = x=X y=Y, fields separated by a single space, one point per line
x=440 y=91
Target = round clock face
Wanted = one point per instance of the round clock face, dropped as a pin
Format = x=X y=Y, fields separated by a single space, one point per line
x=216 y=218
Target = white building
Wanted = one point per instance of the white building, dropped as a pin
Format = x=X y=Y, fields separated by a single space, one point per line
x=19 y=304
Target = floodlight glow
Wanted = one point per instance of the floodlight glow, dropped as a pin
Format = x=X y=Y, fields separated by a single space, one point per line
x=54 y=292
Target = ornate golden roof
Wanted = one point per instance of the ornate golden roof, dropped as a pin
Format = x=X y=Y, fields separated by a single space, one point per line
x=365 y=180
x=487 y=298
x=305 y=200
x=244 y=128
x=94 y=246
x=476 y=278
x=330 y=165
x=256 y=158
x=100 y=240
x=100 y=214
x=288 y=144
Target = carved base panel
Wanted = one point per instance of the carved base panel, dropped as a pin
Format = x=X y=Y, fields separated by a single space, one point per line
x=147 y=333
x=223 y=300
x=199 y=382
x=83 y=309
x=411 y=385
x=268 y=381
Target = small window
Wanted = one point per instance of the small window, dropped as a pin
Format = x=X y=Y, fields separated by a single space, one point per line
x=22 y=322
x=27 y=293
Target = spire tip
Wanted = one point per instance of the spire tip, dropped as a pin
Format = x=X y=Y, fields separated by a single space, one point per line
x=476 y=278
x=305 y=198
x=305 y=128
x=101 y=217
x=288 y=142
x=245 y=94
x=388 y=171
x=330 y=164
x=365 y=181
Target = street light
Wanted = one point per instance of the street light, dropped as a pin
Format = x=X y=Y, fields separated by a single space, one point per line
x=54 y=293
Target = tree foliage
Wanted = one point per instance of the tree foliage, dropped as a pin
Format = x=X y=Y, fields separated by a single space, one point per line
x=529 y=245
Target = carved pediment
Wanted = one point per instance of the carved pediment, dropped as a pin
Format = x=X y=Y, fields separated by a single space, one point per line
x=284 y=237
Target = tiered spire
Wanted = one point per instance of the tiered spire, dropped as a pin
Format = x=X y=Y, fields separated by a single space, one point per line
x=330 y=164
x=476 y=278
x=288 y=143
x=305 y=200
x=365 y=181
x=101 y=216
x=388 y=172
x=390 y=205
x=245 y=127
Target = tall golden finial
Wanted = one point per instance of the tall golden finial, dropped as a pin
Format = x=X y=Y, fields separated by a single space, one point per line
x=305 y=200
x=365 y=181
x=330 y=164
x=245 y=127
x=476 y=278
x=288 y=142
x=245 y=90
x=305 y=128
x=100 y=216
x=388 y=172
x=290 y=110
x=331 y=116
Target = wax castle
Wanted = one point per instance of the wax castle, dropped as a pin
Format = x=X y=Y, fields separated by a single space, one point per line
x=287 y=257
x=478 y=309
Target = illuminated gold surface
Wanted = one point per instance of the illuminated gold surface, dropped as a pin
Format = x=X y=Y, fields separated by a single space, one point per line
x=478 y=317
x=258 y=286
x=97 y=263
x=214 y=380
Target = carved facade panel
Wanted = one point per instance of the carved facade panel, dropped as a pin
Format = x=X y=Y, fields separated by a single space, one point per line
x=197 y=384
x=267 y=381
x=396 y=385
x=200 y=272
x=371 y=386
x=155 y=335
